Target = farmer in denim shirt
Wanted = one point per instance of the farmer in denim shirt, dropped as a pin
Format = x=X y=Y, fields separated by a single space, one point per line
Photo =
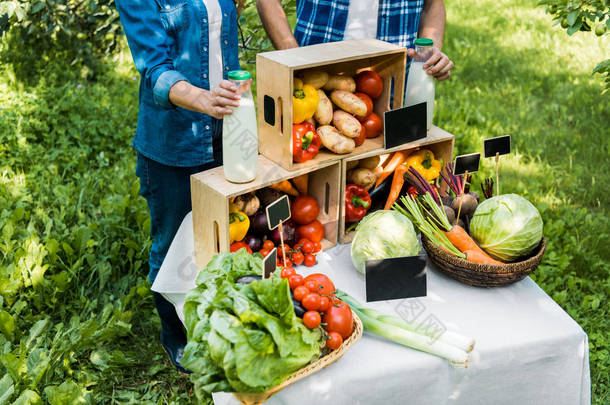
x=183 y=51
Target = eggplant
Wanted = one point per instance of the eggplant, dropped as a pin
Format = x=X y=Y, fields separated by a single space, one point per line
x=248 y=279
x=298 y=308
x=255 y=242
x=379 y=195
x=258 y=223
x=290 y=233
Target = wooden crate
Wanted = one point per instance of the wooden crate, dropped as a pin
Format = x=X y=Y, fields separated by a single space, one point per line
x=274 y=74
x=438 y=141
x=210 y=194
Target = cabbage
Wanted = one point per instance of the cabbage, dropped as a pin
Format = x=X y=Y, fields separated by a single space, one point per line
x=381 y=235
x=507 y=226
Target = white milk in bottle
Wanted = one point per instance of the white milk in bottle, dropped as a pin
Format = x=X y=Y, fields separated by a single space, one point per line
x=239 y=134
x=420 y=85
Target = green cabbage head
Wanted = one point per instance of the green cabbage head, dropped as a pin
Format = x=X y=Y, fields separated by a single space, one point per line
x=382 y=235
x=507 y=226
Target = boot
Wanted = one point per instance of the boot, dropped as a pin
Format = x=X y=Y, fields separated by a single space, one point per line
x=173 y=336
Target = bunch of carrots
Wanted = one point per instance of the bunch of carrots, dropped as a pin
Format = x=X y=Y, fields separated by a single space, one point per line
x=431 y=220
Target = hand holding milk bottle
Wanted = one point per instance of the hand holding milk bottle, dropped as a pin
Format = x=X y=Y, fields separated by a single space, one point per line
x=239 y=134
x=420 y=85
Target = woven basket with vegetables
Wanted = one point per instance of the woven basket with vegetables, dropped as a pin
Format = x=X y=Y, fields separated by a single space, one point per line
x=245 y=334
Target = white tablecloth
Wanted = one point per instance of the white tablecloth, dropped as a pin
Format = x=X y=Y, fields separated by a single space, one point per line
x=528 y=350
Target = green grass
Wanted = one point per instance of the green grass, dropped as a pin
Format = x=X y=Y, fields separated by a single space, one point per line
x=76 y=319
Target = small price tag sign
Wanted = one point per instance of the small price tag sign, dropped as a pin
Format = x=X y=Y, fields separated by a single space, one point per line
x=406 y=124
x=278 y=211
x=497 y=146
x=396 y=278
x=465 y=164
x=270 y=263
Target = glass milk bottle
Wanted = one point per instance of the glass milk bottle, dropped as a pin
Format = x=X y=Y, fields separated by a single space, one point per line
x=239 y=134
x=420 y=85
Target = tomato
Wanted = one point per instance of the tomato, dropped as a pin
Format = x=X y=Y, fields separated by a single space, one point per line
x=304 y=209
x=370 y=83
x=264 y=252
x=287 y=272
x=324 y=304
x=311 y=301
x=310 y=260
x=369 y=104
x=284 y=263
x=300 y=292
x=314 y=231
x=268 y=244
x=362 y=137
x=312 y=319
x=235 y=246
x=339 y=319
x=334 y=341
x=298 y=258
x=317 y=246
x=295 y=281
x=373 y=125
x=325 y=285
x=311 y=285
x=306 y=246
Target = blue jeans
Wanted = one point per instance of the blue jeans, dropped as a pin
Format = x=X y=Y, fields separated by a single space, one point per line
x=167 y=190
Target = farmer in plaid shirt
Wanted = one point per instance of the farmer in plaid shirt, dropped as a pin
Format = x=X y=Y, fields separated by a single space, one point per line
x=396 y=21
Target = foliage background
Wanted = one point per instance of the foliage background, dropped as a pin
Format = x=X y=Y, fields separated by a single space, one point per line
x=77 y=323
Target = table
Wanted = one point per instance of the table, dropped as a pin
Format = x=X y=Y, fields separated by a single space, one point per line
x=528 y=350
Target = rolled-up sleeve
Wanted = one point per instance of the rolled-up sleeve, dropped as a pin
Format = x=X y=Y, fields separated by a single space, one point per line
x=149 y=45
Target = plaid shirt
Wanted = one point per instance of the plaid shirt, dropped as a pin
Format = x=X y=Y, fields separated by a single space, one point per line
x=324 y=21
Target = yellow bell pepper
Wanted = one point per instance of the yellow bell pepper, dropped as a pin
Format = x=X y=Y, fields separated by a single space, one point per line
x=239 y=223
x=304 y=101
x=424 y=162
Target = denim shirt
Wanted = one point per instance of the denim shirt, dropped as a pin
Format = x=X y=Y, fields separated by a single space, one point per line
x=169 y=42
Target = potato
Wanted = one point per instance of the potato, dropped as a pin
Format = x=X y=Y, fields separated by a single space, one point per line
x=324 y=112
x=364 y=178
x=347 y=124
x=316 y=78
x=352 y=164
x=336 y=82
x=334 y=141
x=369 y=163
x=348 y=102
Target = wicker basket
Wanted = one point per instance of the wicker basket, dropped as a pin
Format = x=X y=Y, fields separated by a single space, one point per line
x=482 y=275
x=259 y=398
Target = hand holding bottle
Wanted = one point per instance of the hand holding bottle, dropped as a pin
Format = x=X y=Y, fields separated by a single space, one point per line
x=437 y=64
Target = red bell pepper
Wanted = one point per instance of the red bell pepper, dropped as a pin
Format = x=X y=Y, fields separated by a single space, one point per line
x=305 y=142
x=357 y=203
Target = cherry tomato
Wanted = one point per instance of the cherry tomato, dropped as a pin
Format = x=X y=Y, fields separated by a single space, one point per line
x=369 y=104
x=317 y=246
x=373 y=125
x=306 y=245
x=334 y=341
x=295 y=280
x=311 y=301
x=338 y=318
x=235 y=246
x=268 y=244
x=298 y=258
x=324 y=304
x=285 y=263
x=264 y=252
x=314 y=231
x=304 y=209
x=312 y=319
x=311 y=285
x=325 y=285
x=300 y=292
x=310 y=260
x=287 y=272
x=362 y=137
x=370 y=83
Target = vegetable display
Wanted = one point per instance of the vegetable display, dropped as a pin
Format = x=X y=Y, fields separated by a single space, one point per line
x=383 y=235
x=243 y=337
x=507 y=226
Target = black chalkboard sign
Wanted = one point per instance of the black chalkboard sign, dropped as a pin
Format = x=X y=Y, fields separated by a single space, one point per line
x=406 y=124
x=467 y=163
x=396 y=278
x=277 y=211
x=499 y=145
x=270 y=263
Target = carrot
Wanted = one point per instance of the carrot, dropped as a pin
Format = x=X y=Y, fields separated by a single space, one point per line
x=388 y=169
x=397 y=182
x=465 y=244
x=301 y=183
x=285 y=187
